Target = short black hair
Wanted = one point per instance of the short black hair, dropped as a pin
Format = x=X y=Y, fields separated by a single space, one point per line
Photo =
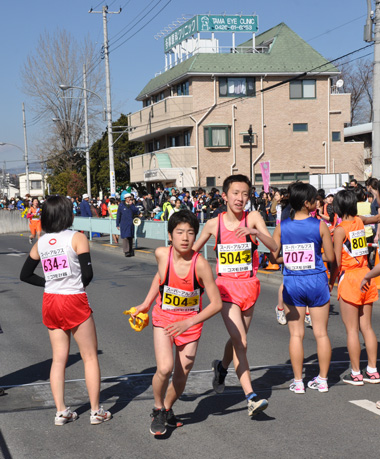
x=235 y=178
x=183 y=216
x=299 y=193
x=360 y=193
x=57 y=214
x=345 y=203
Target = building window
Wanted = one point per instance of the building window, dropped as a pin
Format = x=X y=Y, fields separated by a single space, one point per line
x=35 y=184
x=186 y=138
x=335 y=136
x=183 y=89
x=285 y=177
x=174 y=141
x=304 y=89
x=237 y=87
x=210 y=181
x=158 y=97
x=300 y=127
x=217 y=136
x=150 y=147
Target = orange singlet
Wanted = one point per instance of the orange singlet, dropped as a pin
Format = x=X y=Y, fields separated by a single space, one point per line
x=35 y=220
x=354 y=265
x=237 y=262
x=179 y=299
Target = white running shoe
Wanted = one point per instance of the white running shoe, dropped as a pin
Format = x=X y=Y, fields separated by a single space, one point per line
x=308 y=320
x=321 y=386
x=280 y=315
x=62 y=417
x=297 y=388
x=99 y=416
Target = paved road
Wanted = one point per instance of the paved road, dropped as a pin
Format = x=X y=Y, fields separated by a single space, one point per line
x=217 y=426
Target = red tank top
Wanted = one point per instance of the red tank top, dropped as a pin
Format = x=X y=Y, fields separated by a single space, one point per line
x=235 y=257
x=180 y=295
x=355 y=250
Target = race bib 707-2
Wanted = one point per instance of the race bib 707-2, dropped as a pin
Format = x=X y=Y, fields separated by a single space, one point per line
x=299 y=257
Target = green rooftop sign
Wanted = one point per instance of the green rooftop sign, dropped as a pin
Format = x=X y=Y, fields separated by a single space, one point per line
x=210 y=23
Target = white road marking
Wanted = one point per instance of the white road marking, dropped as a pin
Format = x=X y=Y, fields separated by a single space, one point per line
x=15 y=253
x=367 y=405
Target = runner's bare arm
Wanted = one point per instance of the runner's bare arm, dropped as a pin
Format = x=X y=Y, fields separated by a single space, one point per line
x=161 y=254
x=339 y=236
x=370 y=220
x=257 y=227
x=206 y=278
x=274 y=256
x=328 y=248
x=80 y=243
x=208 y=230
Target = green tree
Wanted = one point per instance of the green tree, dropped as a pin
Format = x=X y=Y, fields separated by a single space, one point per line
x=68 y=183
x=123 y=150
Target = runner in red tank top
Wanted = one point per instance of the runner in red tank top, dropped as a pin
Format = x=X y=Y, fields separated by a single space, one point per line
x=177 y=315
x=235 y=233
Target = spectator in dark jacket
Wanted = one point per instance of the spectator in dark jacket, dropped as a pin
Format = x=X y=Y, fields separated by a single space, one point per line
x=85 y=210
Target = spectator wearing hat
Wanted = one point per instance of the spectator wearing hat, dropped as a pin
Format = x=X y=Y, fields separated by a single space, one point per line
x=85 y=210
x=124 y=221
x=168 y=207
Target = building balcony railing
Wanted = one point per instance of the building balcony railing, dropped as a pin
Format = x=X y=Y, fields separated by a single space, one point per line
x=166 y=116
x=167 y=159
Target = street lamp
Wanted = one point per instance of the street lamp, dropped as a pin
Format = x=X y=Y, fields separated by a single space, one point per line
x=87 y=147
x=25 y=158
x=64 y=87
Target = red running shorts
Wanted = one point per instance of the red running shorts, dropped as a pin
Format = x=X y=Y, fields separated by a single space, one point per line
x=242 y=292
x=65 y=311
x=161 y=319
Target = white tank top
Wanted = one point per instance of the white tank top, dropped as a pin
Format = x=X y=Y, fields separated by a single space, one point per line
x=60 y=263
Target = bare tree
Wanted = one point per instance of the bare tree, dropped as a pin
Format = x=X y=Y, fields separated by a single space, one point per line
x=58 y=59
x=358 y=78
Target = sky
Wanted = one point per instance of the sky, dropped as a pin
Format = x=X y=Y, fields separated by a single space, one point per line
x=333 y=27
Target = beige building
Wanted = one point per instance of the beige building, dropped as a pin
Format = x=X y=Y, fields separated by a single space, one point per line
x=36 y=184
x=196 y=116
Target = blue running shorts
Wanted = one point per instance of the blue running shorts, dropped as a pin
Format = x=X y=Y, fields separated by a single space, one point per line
x=312 y=290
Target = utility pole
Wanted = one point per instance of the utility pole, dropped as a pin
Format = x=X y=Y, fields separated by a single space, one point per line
x=86 y=141
x=25 y=151
x=108 y=93
x=368 y=37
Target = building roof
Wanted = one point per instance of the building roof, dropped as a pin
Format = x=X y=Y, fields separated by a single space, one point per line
x=287 y=54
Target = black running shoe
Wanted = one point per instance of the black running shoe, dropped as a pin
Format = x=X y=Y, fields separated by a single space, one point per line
x=219 y=376
x=158 y=422
x=171 y=419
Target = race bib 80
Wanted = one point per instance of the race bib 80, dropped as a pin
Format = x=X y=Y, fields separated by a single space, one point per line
x=358 y=243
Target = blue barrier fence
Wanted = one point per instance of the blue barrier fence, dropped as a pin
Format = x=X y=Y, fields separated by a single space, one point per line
x=148 y=229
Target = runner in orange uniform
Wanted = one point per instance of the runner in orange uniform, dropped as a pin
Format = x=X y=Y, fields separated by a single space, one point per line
x=34 y=215
x=351 y=252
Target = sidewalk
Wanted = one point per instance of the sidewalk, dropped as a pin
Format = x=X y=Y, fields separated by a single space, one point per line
x=146 y=248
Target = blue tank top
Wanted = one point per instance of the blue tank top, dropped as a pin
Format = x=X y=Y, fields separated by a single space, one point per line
x=301 y=247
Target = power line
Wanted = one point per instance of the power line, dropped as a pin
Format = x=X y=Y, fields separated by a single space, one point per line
x=154 y=17
x=336 y=28
x=110 y=41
